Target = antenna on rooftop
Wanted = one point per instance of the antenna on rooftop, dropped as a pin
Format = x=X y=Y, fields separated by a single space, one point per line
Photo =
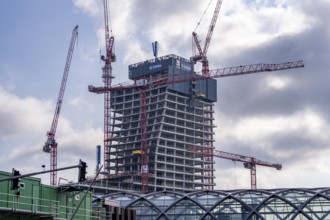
x=155 y=48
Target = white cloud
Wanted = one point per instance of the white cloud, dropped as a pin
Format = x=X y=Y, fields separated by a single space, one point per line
x=259 y=129
x=86 y=56
x=259 y=134
x=24 y=122
x=135 y=53
x=243 y=26
x=278 y=82
x=79 y=102
x=22 y=116
x=91 y=7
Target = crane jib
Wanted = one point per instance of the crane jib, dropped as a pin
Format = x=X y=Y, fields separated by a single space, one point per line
x=51 y=145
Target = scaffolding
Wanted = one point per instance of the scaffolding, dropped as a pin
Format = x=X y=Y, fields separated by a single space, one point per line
x=176 y=117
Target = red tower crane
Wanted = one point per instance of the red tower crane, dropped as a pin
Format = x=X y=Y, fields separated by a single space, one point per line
x=219 y=73
x=249 y=162
x=51 y=145
x=205 y=74
x=202 y=53
x=107 y=79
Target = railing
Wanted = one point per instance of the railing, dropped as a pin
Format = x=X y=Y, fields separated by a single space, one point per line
x=17 y=203
x=25 y=205
x=82 y=214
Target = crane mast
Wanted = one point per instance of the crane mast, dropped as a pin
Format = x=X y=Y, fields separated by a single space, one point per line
x=202 y=53
x=249 y=162
x=51 y=145
x=107 y=79
x=144 y=141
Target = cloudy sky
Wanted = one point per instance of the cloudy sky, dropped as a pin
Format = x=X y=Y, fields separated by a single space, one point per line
x=277 y=117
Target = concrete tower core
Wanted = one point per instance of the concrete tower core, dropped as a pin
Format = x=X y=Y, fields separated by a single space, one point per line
x=179 y=116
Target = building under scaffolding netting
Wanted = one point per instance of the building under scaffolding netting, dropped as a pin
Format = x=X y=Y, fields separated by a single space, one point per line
x=279 y=204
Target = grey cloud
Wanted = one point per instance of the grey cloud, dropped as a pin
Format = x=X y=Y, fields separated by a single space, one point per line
x=309 y=85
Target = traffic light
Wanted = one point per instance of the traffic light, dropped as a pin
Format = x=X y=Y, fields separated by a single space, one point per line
x=15 y=182
x=82 y=171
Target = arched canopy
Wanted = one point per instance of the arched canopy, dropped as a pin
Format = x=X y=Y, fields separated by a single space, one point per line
x=219 y=204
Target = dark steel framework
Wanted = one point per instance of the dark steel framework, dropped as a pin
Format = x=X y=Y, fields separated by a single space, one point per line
x=281 y=204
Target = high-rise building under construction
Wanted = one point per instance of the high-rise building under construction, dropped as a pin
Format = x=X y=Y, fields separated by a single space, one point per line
x=178 y=116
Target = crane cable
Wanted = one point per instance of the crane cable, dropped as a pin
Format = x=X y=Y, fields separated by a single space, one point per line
x=202 y=16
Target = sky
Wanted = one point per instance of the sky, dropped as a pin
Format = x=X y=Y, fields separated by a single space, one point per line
x=280 y=117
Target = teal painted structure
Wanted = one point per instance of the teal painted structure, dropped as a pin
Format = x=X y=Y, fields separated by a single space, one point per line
x=35 y=200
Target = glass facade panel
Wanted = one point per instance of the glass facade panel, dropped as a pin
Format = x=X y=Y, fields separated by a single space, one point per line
x=145 y=210
x=185 y=209
x=230 y=209
x=275 y=208
x=276 y=204
x=208 y=199
x=164 y=201
x=318 y=208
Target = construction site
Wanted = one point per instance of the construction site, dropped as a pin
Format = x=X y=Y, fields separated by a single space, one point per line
x=158 y=128
x=161 y=130
x=159 y=150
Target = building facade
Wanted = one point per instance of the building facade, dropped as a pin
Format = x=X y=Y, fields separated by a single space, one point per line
x=179 y=116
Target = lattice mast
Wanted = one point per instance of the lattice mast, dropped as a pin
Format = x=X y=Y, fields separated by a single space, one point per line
x=144 y=141
x=201 y=56
x=51 y=144
x=107 y=79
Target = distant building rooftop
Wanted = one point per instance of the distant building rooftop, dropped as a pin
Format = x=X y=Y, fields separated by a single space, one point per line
x=156 y=65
